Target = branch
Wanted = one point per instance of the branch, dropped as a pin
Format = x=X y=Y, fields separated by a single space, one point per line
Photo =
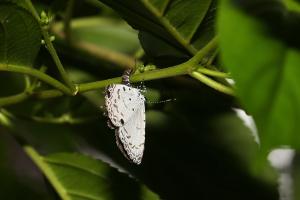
x=38 y=74
x=51 y=48
x=212 y=83
x=13 y=99
x=67 y=20
x=213 y=44
x=190 y=67
x=214 y=73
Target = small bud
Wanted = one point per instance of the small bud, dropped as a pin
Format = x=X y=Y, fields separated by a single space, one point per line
x=44 y=18
x=43 y=15
x=52 y=38
x=149 y=68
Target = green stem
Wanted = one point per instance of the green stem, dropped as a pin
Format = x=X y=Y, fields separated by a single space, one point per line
x=51 y=48
x=47 y=94
x=85 y=87
x=211 y=83
x=36 y=73
x=67 y=20
x=177 y=70
x=47 y=171
x=57 y=61
x=212 y=72
x=213 y=44
x=13 y=99
x=181 y=69
x=32 y=9
x=212 y=57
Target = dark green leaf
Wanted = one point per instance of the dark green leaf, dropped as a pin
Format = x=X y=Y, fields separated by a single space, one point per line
x=175 y=24
x=19 y=36
x=266 y=72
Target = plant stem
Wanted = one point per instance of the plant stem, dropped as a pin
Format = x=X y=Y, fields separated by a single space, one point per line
x=181 y=69
x=51 y=48
x=46 y=94
x=13 y=99
x=212 y=72
x=32 y=9
x=57 y=61
x=67 y=20
x=36 y=73
x=211 y=83
x=47 y=171
x=177 y=70
x=213 y=44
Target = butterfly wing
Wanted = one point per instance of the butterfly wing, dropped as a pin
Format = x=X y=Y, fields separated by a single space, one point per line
x=121 y=103
x=131 y=136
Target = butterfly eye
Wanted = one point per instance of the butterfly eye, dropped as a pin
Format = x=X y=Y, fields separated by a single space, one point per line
x=122 y=121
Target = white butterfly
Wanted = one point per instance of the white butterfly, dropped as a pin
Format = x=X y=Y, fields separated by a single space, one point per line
x=125 y=108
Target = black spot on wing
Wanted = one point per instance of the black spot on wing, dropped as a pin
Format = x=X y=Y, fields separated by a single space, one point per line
x=108 y=93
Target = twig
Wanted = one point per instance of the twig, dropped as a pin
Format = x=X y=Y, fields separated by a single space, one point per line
x=51 y=48
x=211 y=83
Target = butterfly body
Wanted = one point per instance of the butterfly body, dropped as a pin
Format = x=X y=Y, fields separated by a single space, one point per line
x=125 y=108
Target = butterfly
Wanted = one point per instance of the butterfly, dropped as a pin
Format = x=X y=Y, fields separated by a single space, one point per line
x=125 y=106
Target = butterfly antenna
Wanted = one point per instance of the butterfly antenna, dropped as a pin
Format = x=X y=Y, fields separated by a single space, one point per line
x=163 y=101
x=126 y=77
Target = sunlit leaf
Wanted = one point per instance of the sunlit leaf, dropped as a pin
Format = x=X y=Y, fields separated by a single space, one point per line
x=75 y=176
x=266 y=72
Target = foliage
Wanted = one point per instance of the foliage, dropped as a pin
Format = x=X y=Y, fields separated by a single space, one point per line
x=56 y=57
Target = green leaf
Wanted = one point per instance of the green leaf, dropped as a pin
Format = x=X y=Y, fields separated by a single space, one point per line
x=75 y=176
x=175 y=24
x=266 y=72
x=19 y=35
x=292 y=5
